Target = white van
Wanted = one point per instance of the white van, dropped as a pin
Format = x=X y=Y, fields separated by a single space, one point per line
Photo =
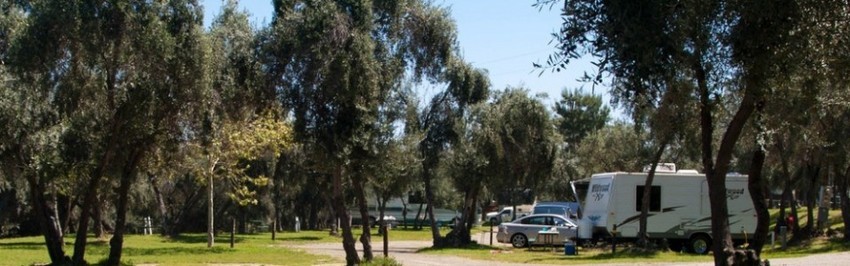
x=679 y=208
x=507 y=213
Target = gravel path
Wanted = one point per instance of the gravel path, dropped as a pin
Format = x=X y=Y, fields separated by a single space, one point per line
x=405 y=253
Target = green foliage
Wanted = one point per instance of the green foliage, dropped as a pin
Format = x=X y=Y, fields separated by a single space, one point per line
x=263 y=138
x=616 y=147
x=524 y=141
x=580 y=114
x=237 y=84
x=397 y=168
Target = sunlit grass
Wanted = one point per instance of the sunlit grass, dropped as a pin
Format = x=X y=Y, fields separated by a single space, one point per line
x=814 y=246
x=190 y=249
x=624 y=255
x=548 y=255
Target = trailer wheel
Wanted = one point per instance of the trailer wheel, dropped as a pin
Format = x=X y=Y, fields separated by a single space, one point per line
x=519 y=240
x=700 y=244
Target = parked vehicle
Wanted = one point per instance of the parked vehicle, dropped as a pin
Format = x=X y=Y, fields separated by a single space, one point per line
x=520 y=231
x=373 y=220
x=506 y=214
x=679 y=208
x=399 y=208
x=564 y=208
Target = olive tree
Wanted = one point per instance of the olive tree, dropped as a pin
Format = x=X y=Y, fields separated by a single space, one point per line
x=122 y=75
x=334 y=61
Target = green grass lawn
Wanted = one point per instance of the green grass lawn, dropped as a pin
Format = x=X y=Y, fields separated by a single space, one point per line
x=190 y=249
x=591 y=256
x=624 y=255
x=547 y=255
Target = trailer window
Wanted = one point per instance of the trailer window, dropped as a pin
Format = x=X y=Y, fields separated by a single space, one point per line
x=654 y=198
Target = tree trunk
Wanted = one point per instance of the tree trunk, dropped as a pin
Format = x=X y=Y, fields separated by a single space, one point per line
x=96 y=175
x=643 y=238
x=841 y=179
x=277 y=181
x=65 y=212
x=785 y=201
x=85 y=217
x=160 y=202
x=429 y=199
x=470 y=215
x=756 y=185
x=329 y=203
x=722 y=238
x=338 y=202
x=210 y=207
x=811 y=198
x=366 y=236
x=385 y=232
x=460 y=234
x=116 y=244
x=47 y=221
x=417 y=223
x=404 y=205
x=97 y=218
x=716 y=169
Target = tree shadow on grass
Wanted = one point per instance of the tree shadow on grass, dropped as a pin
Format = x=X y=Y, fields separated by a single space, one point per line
x=22 y=245
x=807 y=247
x=624 y=254
x=196 y=239
x=299 y=238
x=175 y=251
x=467 y=247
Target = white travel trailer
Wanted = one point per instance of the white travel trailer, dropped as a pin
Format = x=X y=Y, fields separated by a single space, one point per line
x=679 y=209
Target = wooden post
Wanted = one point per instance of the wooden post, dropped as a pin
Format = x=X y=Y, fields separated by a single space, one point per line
x=491 y=234
x=614 y=240
x=386 y=239
x=232 y=232
x=274 y=228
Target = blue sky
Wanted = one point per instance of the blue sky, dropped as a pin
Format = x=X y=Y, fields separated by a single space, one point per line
x=503 y=36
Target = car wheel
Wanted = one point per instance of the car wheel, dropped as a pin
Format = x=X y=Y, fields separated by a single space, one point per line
x=700 y=244
x=519 y=240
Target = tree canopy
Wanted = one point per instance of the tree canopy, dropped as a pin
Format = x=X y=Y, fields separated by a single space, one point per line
x=118 y=110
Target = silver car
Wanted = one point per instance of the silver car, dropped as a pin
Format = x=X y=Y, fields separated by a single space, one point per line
x=522 y=229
